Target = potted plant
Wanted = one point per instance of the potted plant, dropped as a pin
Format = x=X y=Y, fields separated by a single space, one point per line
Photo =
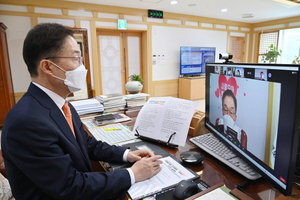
x=296 y=60
x=135 y=84
x=272 y=54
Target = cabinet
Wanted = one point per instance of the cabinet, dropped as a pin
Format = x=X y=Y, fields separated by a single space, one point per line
x=7 y=100
x=192 y=88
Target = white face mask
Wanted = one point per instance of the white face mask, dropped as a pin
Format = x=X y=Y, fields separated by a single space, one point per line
x=228 y=122
x=75 y=79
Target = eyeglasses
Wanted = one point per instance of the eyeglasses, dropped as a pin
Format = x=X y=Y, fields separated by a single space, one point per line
x=79 y=59
x=228 y=111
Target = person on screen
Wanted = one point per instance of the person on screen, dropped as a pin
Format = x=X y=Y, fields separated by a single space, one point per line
x=238 y=73
x=229 y=72
x=46 y=150
x=227 y=125
x=262 y=76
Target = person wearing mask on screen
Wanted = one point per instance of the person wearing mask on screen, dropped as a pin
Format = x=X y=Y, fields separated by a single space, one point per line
x=46 y=150
x=227 y=125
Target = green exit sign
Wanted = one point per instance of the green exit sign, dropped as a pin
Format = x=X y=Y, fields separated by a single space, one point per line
x=155 y=14
x=122 y=24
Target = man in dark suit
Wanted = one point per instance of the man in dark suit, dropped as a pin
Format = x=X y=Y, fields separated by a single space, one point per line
x=226 y=124
x=45 y=157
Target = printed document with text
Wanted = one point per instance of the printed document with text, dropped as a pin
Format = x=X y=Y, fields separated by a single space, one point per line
x=161 y=117
x=172 y=173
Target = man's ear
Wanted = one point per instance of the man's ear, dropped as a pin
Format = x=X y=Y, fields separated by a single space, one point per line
x=46 y=66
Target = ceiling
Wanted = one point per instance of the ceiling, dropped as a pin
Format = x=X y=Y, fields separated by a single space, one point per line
x=262 y=10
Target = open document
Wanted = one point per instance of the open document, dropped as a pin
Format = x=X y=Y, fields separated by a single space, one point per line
x=165 y=119
x=172 y=173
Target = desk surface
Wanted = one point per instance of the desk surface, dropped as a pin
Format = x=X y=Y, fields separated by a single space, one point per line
x=213 y=171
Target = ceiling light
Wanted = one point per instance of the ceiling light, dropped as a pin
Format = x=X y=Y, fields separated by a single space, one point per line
x=224 y=10
x=173 y=2
x=192 y=4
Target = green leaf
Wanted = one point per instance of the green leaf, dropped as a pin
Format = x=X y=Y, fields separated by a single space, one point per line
x=136 y=77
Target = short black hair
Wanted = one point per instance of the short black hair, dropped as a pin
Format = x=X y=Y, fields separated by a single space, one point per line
x=229 y=93
x=44 y=40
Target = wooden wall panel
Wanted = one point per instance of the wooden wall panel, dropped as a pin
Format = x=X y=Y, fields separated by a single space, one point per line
x=165 y=88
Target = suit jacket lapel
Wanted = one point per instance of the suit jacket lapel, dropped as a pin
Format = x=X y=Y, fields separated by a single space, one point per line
x=58 y=117
x=55 y=113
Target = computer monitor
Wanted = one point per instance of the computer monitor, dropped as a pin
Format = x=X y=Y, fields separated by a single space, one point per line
x=259 y=116
x=194 y=59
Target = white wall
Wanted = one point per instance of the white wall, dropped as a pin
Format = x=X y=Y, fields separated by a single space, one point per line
x=17 y=29
x=167 y=41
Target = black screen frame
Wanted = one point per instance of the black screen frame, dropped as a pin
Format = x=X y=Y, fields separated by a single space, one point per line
x=263 y=170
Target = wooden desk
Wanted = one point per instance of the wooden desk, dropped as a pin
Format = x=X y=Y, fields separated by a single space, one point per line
x=213 y=171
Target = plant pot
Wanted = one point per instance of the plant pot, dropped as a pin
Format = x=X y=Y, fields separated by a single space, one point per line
x=133 y=87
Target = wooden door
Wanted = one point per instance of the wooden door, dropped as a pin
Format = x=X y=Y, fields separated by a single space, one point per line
x=236 y=48
x=120 y=56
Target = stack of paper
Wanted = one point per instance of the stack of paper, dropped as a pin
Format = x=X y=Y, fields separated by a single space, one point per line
x=87 y=106
x=112 y=102
x=136 y=100
x=108 y=97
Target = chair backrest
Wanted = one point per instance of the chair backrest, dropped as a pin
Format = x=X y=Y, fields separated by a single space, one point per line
x=244 y=139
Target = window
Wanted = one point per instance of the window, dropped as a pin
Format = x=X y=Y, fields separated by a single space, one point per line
x=287 y=40
x=289 y=43
x=266 y=39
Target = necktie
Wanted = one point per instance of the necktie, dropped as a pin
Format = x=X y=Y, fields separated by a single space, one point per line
x=68 y=115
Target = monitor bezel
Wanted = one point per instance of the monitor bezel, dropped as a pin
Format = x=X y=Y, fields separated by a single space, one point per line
x=285 y=189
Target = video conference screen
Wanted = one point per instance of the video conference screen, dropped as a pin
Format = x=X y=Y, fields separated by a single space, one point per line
x=255 y=109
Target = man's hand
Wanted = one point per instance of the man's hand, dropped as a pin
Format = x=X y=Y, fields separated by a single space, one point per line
x=146 y=167
x=138 y=155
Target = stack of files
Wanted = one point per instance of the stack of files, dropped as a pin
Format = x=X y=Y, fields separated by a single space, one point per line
x=112 y=102
x=108 y=97
x=87 y=106
x=114 y=105
x=136 y=100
